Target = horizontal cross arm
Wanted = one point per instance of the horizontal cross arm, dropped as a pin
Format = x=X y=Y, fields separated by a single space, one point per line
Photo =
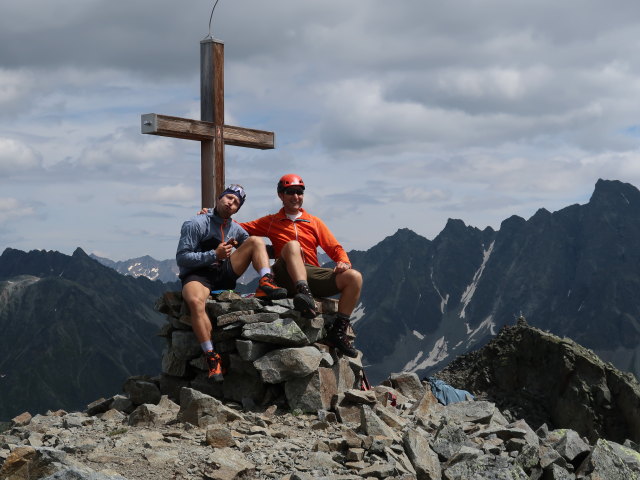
x=167 y=126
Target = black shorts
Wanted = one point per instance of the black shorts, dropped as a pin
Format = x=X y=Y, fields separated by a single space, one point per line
x=220 y=277
x=322 y=281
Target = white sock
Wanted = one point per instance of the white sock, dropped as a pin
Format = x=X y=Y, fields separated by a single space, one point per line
x=263 y=271
x=206 y=346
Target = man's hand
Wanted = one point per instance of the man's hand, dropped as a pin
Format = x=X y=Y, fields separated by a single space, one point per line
x=204 y=211
x=224 y=250
x=341 y=267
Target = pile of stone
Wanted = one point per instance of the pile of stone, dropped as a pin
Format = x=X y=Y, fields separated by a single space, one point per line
x=271 y=353
x=401 y=433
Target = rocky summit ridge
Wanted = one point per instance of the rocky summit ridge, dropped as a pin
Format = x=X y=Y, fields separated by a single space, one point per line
x=543 y=378
x=256 y=428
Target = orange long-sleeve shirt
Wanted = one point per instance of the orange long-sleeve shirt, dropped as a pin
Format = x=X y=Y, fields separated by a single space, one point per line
x=309 y=231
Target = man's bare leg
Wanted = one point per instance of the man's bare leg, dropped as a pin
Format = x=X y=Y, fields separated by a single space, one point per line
x=195 y=296
x=291 y=254
x=254 y=251
x=349 y=283
x=303 y=301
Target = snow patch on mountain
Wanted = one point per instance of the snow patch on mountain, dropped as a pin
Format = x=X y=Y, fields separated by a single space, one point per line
x=487 y=325
x=625 y=198
x=358 y=313
x=443 y=300
x=471 y=288
x=438 y=353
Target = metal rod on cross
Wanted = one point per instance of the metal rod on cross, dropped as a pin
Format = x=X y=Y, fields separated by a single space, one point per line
x=210 y=130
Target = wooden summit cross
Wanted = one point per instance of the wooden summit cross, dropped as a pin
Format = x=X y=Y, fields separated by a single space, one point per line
x=210 y=130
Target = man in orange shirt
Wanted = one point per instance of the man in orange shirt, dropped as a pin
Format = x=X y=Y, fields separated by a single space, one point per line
x=295 y=236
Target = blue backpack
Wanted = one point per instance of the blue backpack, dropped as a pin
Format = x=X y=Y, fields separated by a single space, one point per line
x=446 y=394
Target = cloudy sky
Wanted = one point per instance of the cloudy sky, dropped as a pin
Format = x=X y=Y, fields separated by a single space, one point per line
x=396 y=114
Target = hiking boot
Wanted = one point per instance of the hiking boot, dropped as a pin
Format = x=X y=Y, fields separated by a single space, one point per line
x=305 y=304
x=267 y=289
x=214 y=362
x=337 y=337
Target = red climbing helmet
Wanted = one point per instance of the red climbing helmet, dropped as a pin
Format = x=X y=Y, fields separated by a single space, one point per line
x=289 y=180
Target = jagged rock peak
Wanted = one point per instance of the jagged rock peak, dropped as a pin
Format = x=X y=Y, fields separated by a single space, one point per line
x=454 y=225
x=403 y=236
x=541 y=213
x=614 y=192
x=80 y=253
x=514 y=222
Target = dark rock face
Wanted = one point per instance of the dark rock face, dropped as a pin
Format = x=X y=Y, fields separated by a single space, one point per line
x=573 y=272
x=542 y=378
x=72 y=330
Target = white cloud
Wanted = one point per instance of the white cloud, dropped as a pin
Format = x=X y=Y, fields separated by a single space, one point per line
x=417 y=194
x=173 y=194
x=126 y=150
x=16 y=156
x=12 y=208
x=15 y=88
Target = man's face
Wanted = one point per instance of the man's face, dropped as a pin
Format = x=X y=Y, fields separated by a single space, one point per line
x=227 y=205
x=292 y=198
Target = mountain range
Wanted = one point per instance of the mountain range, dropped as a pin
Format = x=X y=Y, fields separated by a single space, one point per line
x=74 y=329
x=574 y=272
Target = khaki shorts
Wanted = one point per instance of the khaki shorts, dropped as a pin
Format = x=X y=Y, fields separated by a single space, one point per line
x=322 y=281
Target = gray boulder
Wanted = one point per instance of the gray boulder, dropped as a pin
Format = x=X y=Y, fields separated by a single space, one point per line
x=202 y=410
x=283 y=332
x=284 y=364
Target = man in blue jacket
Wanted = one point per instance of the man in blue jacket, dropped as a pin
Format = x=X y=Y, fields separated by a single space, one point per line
x=208 y=261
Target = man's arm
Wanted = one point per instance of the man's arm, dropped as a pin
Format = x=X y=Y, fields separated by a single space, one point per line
x=238 y=233
x=191 y=234
x=258 y=227
x=330 y=245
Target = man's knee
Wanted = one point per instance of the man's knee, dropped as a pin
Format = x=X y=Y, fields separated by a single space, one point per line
x=292 y=246
x=253 y=242
x=194 y=297
x=350 y=277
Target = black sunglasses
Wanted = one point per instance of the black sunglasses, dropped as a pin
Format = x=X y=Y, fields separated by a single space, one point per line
x=294 y=191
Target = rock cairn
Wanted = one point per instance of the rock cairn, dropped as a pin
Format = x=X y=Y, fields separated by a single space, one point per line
x=401 y=432
x=272 y=355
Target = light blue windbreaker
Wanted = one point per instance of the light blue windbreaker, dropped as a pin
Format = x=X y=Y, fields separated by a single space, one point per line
x=200 y=236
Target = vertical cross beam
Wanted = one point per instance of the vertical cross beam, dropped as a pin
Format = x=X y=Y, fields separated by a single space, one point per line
x=212 y=110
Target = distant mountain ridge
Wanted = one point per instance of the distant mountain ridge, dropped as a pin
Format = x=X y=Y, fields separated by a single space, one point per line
x=164 y=270
x=574 y=272
x=72 y=330
x=145 y=266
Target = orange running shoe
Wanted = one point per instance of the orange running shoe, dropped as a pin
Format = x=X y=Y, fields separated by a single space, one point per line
x=214 y=361
x=267 y=289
